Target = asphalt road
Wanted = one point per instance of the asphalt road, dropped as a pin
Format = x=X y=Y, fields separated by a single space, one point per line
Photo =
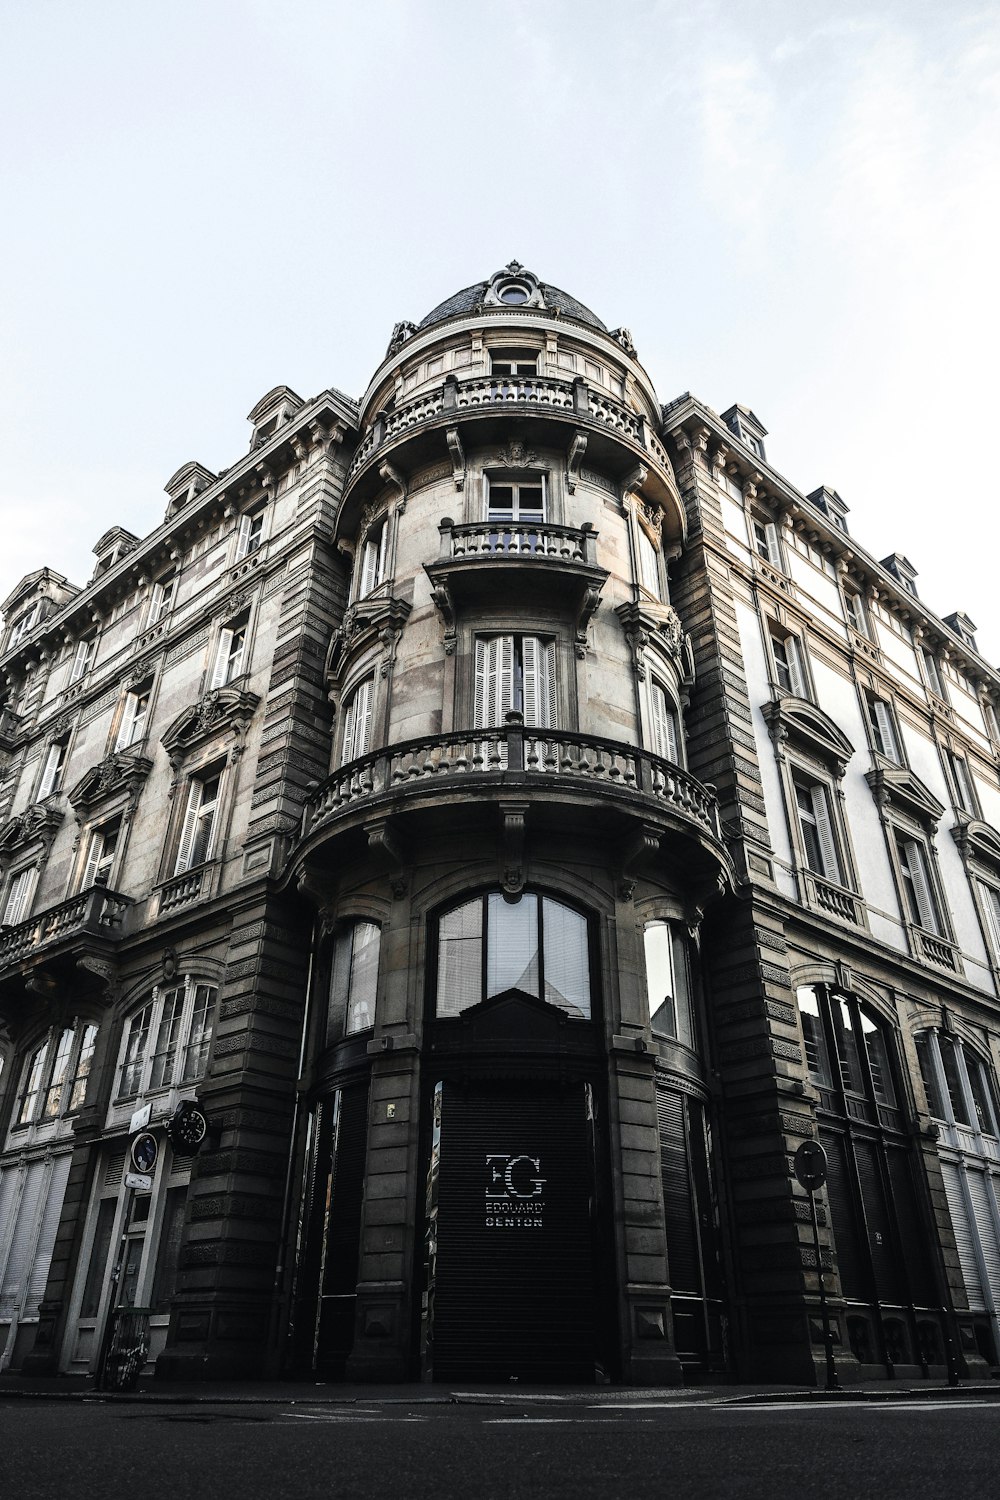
x=671 y=1451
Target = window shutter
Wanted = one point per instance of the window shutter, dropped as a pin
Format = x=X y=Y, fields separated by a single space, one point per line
x=665 y=740
x=539 y=683
x=964 y=1234
x=39 y=1273
x=53 y=765
x=22 y=1245
x=773 y=550
x=363 y=717
x=347 y=751
x=17 y=897
x=369 y=567
x=94 y=851
x=189 y=828
x=649 y=567
x=991 y=906
x=243 y=541
x=824 y=830
x=494 y=680
x=222 y=651
x=885 y=728
x=796 y=671
x=917 y=866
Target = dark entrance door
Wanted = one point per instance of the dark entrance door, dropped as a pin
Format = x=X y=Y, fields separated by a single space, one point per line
x=510 y=1240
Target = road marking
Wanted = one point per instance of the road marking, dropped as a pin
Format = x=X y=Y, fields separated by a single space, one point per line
x=917 y=1405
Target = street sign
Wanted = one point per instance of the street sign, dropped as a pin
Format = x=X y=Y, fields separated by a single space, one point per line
x=811 y=1165
x=140 y=1180
x=140 y=1119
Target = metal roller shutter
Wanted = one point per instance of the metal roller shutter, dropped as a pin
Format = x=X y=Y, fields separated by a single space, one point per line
x=964 y=1235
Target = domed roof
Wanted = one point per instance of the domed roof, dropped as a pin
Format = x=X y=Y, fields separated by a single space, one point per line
x=514 y=287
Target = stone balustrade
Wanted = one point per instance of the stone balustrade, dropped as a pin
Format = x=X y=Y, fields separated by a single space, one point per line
x=96 y=911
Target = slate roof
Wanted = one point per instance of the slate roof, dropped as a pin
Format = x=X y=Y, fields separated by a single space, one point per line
x=469 y=298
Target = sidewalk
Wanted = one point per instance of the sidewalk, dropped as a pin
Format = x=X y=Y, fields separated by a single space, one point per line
x=307 y=1393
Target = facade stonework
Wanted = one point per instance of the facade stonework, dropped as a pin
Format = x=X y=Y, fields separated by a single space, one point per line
x=515 y=818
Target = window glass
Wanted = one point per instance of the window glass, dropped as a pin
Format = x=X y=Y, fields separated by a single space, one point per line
x=512 y=945
x=32 y=1086
x=57 y=1077
x=84 y=1063
x=354 y=980
x=928 y=1072
x=566 y=957
x=199 y=1033
x=668 y=984
x=814 y=1036
x=135 y=1051
x=460 y=957
x=167 y=1035
x=878 y=1058
x=649 y=564
x=533 y=944
x=953 y=1081
x=982 y=1093
x=847 y=1046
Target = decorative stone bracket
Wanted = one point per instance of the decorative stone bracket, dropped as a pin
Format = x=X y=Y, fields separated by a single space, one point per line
x=647 y=623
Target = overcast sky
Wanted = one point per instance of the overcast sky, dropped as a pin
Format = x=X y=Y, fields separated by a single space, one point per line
x=790 y=204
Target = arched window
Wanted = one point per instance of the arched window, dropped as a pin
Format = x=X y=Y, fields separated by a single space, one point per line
x=166 y=1041
x=666 y=723
x=353 y=980
x=846 y=1048
x=54 y=1077
x=373 y=558
x=534 y=944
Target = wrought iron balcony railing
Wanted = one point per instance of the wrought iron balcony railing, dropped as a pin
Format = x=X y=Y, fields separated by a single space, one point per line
x=532 y=758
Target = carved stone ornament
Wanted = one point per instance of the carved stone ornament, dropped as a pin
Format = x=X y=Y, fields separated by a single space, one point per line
x=382 y=839
x=512 y=871
x=36 y=824
x=978 y=842
x=516 y=455
x=369 y=516
x=641 y=847
x=457 y=455
x=222 y=708
x=797 y=719
x=623 y=337
x=898 y=787
x=118 y=772
x=379 y=616
x=645 y=624
x=445 y=605
x=400 y=333
x=574 y=459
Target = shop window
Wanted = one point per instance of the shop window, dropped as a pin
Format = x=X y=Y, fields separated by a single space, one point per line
x=668 y=983
x=134 y=713
x=250 y=534
x=534 y=944
x=197 y=837
x=373 y=558
x=666 y=724
x=358 y=721
x=166 y=1042
x=788 y=657
x=54 y=1080
x=83 y=658
x=230 y=650
x=17 y=901
x=353 y=980
x=816 y=829
x=884 y=730
x=515 y=672
x=52 y=770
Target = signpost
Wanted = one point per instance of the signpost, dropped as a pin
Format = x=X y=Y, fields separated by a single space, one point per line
x=810 y=1172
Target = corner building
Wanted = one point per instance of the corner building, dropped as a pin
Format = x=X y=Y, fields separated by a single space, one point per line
x=518 y=818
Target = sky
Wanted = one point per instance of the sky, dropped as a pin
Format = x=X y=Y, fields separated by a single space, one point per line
x=791 y=205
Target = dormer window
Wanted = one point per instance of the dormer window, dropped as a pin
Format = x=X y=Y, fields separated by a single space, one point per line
x=748 y=428
x=514 y=293
x=23 y=625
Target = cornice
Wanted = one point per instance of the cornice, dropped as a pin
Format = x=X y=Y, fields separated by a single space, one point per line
x=897 y=786
x=797 y=719
x=222 y=708
x=118 y=772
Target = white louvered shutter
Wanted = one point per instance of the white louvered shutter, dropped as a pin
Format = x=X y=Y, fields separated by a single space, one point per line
x=664 y=725
x=42 y=1260
x=222 y=653
x=539 y=668
x=917 y=866
x=53 y=766
x=886 y=729
x=363 y=717
x=189 y=828
x=824 y=832
x=494 y=680
x=986 y=1226
x=991 y=906
x=796 y=671
x=771 y=542
x=963 y=1234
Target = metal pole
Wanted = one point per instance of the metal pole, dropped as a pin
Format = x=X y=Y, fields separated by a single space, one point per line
x=832 y=1382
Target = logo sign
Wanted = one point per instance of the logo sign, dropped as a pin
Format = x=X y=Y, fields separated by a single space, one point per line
x=143 y=1153
x=811 y=1165
x=514 y=1192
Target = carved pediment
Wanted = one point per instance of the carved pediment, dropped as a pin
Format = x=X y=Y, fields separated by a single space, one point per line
x=978 y=841
x=799 y=720
x=115 y=773
x=378 y=616
x=35 y=824
x=659 y=625
x=222 y=708
x=898 y=787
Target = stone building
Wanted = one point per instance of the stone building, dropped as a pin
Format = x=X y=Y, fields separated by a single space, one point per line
x=519 y=818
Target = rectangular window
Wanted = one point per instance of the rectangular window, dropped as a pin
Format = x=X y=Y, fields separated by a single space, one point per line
x=101 y=849
x=991 y=906
x=921 y=904
x=167 y=1037
x=373 y=559
x=666 y=732
x=928 y=1073
x=814 y=1037
x=515 y=499
x=668 y=983
x=515 y=672
x=83 y=658
x=354 y=980
x=251 y=534
x=932 y=673
x=199 y=1033
x=55 y=761
x=519 y=362
x=649 y=563
x=229 y=652
x=789 y=669
x=162 y=599
x=23 y=626
x=765 y=540
x=18 y=897
x=815 y=824
x=133 y=721
x=57 y=1077
x=885 y=737
x=136 y=1044
x=198 y=830
x=358 y=721
x=962 y=783
x=854 y=608
x=84 y=1063
x=31 y=1084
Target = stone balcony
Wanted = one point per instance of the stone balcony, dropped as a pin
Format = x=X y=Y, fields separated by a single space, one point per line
x=609 y=432
x=89 y=924
x=568 y=782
